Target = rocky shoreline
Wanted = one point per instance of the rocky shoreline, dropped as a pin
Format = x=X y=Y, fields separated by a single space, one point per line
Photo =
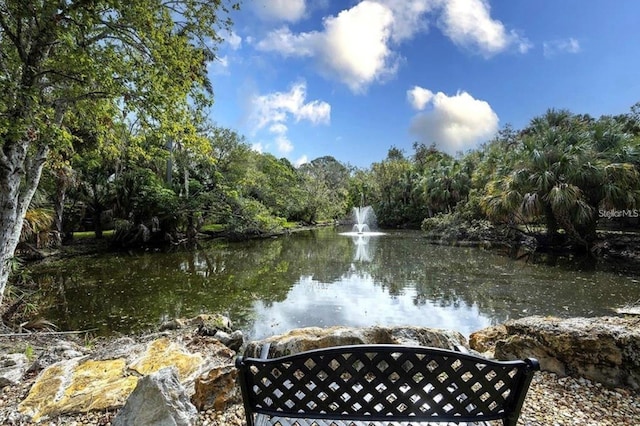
x=553 y=399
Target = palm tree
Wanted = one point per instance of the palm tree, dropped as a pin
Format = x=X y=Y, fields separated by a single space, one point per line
x=563 y=175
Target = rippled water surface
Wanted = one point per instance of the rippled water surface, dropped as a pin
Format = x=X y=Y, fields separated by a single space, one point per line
x=322 y=278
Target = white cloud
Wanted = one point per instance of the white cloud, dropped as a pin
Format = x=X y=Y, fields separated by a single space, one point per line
x=234 y=40
x=356 y=45
x=284 y=144
x=219 y=66
x=570 y=45
x=419 y=97
x=524 y=45
x=468 y=24
x=300 y=161
x=278 y=106
x=453 y=123
x=288 y=44
x=409 y=16
x=353 y=46
x=278 y=128
x=272 y=111
x=280 y=10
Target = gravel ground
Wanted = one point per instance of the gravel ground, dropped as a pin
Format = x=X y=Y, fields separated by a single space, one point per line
x=551 y=401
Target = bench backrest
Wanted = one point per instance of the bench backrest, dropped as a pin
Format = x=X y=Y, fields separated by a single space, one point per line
x=383 y=382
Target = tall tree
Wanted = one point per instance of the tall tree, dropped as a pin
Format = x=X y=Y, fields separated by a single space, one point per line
x=327 y=188
x=57 y=56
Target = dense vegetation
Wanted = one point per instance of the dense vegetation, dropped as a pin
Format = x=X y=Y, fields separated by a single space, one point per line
x=564 y=172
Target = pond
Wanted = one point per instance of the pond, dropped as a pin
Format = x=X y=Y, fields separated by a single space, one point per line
x=322 y=278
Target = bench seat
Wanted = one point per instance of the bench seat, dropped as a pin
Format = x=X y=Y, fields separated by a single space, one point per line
x=263 y=420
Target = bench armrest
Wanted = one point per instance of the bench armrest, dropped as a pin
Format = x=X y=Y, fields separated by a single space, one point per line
x=264 y=352
x=461 y=349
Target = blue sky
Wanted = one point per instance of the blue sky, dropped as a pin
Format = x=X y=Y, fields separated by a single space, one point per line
x=303 y=79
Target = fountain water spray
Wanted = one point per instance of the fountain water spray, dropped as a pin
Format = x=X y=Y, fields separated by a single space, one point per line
x=364 y=221
x=363 y=217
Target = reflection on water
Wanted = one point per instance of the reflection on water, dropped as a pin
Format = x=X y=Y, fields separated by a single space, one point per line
x=321 y=278
x=356 y=300
x=363 y=248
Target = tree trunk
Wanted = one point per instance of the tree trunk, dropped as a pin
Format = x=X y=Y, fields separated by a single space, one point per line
x=589 y=233
x=97 y=223
x=19 y=177
x=58 y=204
x=96 y=210
x=10 y=227
x=551 y=224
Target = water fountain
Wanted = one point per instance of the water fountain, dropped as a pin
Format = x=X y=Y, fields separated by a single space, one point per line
x=364 y=220
x=363 y=216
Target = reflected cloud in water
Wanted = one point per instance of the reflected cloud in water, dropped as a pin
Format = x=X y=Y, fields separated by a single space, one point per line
x=357 y=301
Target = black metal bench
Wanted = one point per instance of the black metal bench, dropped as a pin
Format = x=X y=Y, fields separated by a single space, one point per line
x=382 y=385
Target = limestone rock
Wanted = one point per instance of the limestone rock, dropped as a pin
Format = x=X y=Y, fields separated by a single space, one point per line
x=604 y=349
x=233 y=341
x=95 y=382
x=206 y=324
x=217 y=390
x=122 y=347
x=484 y=340
x=305 y=339
x=61 y=350
x=174 y=324
x=423 y=336
x=12 y=368
x=159 y=399
x=163 y=353
x=78 y=385
x=209 y=324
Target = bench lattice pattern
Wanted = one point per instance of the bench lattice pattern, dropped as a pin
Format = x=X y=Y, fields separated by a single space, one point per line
x=378 y=382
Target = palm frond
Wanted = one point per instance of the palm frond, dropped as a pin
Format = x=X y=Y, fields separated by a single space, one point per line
x=563 y=197
x=583 y=213
x=531 y=205
x=35 y=221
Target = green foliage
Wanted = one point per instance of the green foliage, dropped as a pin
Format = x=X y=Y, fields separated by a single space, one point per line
x=561 y=172
x=85 y=235
x=325 y=183
x=29 y=352
x=148 y=206
x=440 y=221
x=213 y=227
x=452 y=228
x=396 y=203
x=249 y=217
